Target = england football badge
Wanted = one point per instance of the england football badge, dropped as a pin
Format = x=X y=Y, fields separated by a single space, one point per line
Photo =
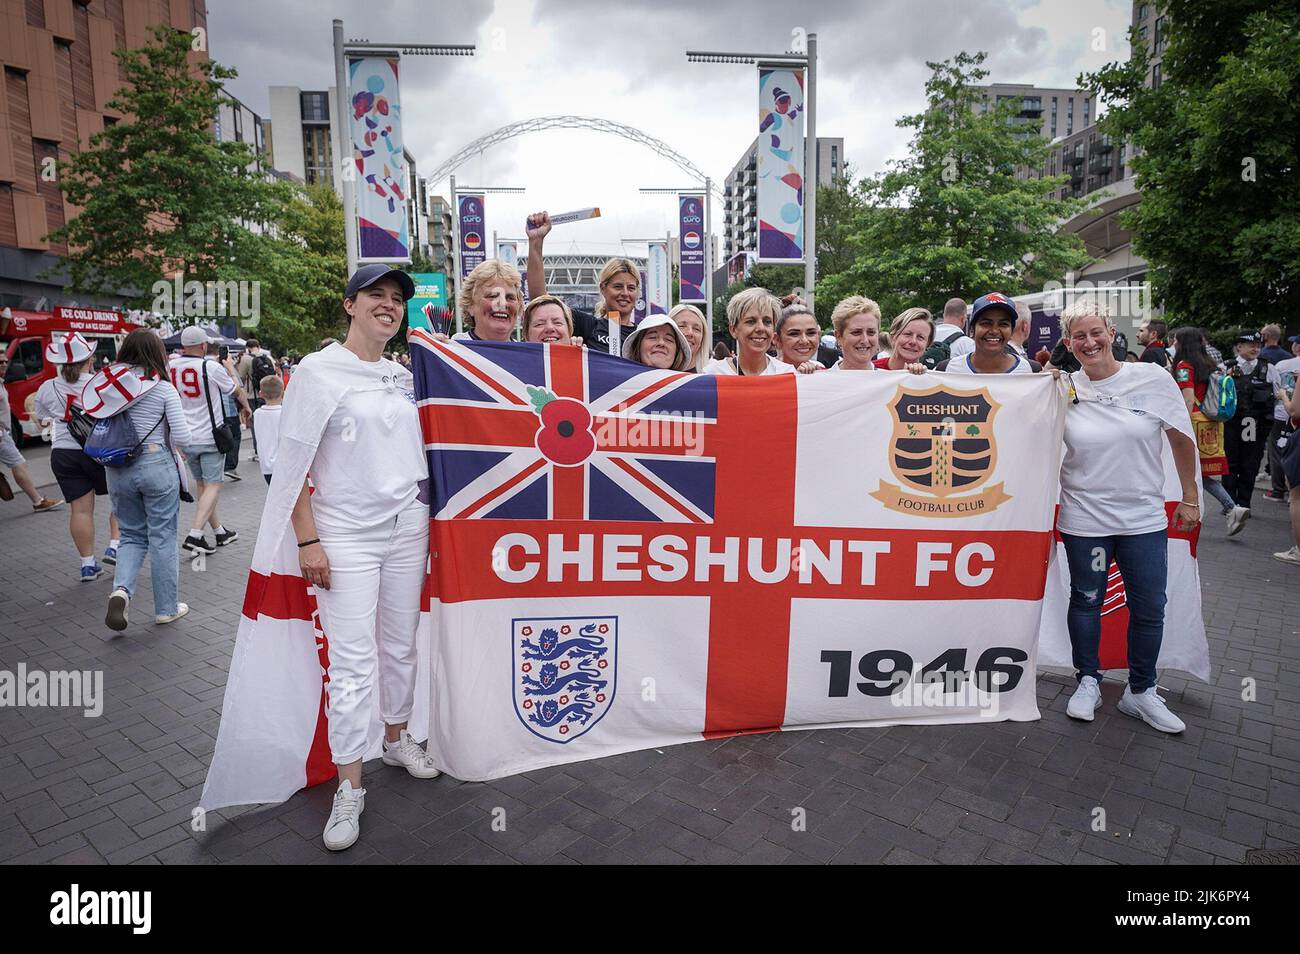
x=564 y=673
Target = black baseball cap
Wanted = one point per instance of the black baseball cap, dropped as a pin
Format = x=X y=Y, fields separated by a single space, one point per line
x=367 y=275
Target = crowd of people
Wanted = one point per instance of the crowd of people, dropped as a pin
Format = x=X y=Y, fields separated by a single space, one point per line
x=361 y=529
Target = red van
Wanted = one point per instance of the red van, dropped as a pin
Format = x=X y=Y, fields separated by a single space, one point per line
x=23 y=338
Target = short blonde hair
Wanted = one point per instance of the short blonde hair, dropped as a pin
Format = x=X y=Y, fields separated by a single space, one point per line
x=906 y=318
x=698 y=361
x=616 y=266
x=1088 y=306
x=742 y=301
x=490 y=272
x=853 y=305
x=540 y=300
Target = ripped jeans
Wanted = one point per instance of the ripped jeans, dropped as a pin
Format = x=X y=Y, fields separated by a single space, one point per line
x=1143 y=561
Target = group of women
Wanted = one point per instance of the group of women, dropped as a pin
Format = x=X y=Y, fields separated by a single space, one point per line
x=369 y=553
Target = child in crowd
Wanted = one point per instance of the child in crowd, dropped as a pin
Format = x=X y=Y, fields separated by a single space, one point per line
x=266 y=422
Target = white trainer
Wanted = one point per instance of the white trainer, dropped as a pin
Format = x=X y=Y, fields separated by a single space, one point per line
x=1085 y=701
x=407 y=753
x=1151 y=709
x=1291 y=556
x=344 y=826
x=1237 y=518
x=181 y=610
x=118 y=602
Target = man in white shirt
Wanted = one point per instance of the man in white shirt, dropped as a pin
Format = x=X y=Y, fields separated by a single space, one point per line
x=200 y=383
x=953 y=328
x=1020 y=333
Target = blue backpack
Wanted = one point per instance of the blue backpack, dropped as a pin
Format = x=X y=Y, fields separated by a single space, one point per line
x=1220 y=403
x=113 y=441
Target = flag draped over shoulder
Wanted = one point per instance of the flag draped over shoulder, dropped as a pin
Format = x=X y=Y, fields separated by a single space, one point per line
x=1184 y=648
x=273 y=737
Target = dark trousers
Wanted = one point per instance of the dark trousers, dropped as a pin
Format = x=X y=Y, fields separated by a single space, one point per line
x=1143 y=561
x=1245 y=438
x=1275 y=456
x=232 y=455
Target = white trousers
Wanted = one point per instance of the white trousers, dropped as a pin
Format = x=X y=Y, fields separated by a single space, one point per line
x=370 y=615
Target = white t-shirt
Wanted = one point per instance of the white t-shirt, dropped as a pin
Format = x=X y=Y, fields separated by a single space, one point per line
x=943 y=331
x=963 y=364
x=724 y=366
x=266 y=432
x=963 y=346
x=187 y=378
x=1287 y=372
x=54 y=402
x=839 y=366
x=1113 y=474
x=371 y=455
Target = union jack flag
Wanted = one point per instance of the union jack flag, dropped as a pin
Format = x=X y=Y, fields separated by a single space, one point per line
x=519 y=431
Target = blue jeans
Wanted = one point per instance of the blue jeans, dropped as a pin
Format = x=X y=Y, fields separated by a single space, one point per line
x=1214 y=487
x=146 y=499
x=1143 y=560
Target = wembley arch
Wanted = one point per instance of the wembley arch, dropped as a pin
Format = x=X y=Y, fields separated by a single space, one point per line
x=542 y=123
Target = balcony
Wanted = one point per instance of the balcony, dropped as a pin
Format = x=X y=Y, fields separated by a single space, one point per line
x=1104 y=145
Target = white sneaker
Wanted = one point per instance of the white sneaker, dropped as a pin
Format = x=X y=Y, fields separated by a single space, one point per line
x=407 y=753
x=344 y=826
x=1085 y=701
x=181 y=610
x=1237 y=518
x=1291 y=556
x=118 y=601
x=1151 y=709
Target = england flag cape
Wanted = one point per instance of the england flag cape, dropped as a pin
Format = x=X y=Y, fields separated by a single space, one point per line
x=1149 y=389
x=273 y=738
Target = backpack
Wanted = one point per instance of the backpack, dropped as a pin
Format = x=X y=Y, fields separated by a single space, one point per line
x=939 y=351
x=113 y=442
x=261 y=366
x=1220 y=402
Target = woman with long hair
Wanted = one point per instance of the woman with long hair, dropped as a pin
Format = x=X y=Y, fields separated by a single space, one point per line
x=80 y=479
x=145 y=492
x=1192 y=369
x=696 y=331
x=620 y=288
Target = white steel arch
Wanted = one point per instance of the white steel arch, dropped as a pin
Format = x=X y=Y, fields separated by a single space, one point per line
x=541 y=123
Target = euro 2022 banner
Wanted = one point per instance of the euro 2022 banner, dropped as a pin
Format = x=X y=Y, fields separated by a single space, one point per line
x=473 y=240
x=690 y=224
x=375 y=126
x=780 y=165
x=618 y=563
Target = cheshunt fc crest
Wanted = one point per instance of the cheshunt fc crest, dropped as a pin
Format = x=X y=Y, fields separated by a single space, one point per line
x=942 y=448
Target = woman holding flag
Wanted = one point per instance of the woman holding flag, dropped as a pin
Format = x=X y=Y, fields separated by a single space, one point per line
x=690 y=320
x=909 y=335
x=798 y=336
x=359 y=536
x=751 y=317
x=856 y=321
x=490 y=299
x=1113 y=506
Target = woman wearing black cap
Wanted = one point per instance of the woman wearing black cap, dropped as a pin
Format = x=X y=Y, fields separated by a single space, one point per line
x=363 y=532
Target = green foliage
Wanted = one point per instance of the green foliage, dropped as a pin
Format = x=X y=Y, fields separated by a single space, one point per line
x=952 y=218
x=1217 y=160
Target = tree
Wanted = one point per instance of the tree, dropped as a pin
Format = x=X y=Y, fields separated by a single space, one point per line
x=1217 y=159
x=954 y=218
x=158 y=194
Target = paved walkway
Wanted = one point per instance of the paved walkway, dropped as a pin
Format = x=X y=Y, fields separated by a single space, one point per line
x=121 y=788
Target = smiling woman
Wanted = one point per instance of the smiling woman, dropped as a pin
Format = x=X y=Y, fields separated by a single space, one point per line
x=490 y=300
x=751 y=318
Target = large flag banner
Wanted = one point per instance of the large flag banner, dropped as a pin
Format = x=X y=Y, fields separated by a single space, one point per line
x=473 y=244
x=780 y=165
x=690 y=223
x=623 y=557
x=375 y=129
x=658 y=294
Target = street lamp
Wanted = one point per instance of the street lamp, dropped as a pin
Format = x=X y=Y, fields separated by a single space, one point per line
x=707 y=191
x=456 y=193
x=808 y=62
x=341 y=50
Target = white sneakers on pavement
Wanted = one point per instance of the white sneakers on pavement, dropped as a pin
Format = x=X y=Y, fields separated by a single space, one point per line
x=181 y=610
x=1085 y=701
x=344 y=826
x=408 y=754
x=1151 y=709
x=1237 y=518
x=1291 y=556
x=118 y=601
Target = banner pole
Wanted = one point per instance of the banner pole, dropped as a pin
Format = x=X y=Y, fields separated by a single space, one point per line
x=455 y=251
x=708 y=250
x=810 y=193
x=343 y=140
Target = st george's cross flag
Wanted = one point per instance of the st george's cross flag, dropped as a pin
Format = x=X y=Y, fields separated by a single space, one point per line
x=623 y=557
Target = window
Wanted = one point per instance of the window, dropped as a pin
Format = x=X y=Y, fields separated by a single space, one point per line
x=1155 y=76
x=315 y=107
x=28 y=354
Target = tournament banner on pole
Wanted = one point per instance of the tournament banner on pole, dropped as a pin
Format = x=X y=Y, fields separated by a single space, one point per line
x=375 y=130
x=658 y=293
x=601 y=580
x=473 y=244
x=780 y=165
x=691 y=238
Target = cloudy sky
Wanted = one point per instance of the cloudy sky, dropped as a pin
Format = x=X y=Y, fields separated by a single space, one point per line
x=626 y=62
